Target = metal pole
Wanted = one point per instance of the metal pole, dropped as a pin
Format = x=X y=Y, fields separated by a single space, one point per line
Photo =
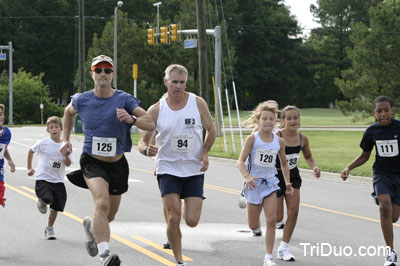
x=10 y=75
x=158 y=20
x=218 y=74
x=115 y=46
x=81 y=49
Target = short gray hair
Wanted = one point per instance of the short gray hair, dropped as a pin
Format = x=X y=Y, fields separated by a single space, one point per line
x=175 y=67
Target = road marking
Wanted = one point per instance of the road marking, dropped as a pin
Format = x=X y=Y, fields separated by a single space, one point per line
x=157 y=246
x=114 y=236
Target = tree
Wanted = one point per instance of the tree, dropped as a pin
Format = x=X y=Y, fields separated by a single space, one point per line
x=374 y=58
x=330 y=42
x=28 y=92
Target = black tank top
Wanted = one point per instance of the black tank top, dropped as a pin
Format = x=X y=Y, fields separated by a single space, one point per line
x=290 y=150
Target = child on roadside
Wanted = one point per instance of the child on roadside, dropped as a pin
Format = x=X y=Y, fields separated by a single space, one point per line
x=49 y=187
x=5 y=138
x=257 y=165
x=294 y=143
x=384 y=135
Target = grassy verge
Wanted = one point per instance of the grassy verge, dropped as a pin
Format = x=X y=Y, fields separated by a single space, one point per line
x=332 y=150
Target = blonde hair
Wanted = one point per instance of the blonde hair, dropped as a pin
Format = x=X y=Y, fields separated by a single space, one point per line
x=55 y=120
x=261 y=107
x=175 y=67
x=287 y=109
x=2 y=107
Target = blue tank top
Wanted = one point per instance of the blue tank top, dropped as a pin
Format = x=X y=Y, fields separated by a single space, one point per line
x=261 y=160
x=99 y=118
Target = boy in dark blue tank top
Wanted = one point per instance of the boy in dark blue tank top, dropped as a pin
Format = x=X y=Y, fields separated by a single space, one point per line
x=384 y=135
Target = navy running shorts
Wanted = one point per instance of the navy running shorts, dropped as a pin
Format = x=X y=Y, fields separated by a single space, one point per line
x=387 y=184
x=192 y=186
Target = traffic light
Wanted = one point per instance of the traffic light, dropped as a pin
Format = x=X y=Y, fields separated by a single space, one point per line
x=150 y=37
x=163 y=35
x=173 y=30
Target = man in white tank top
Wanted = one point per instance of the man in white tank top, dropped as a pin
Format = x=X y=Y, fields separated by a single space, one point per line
x=181 y=154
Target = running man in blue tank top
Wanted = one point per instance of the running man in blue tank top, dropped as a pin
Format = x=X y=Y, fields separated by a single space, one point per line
x=107 y=115
x=384 y=136
x=257 y=165
x=181 y=154
x=5 y=138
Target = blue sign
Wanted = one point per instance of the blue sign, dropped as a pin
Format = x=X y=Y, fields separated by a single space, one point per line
x=3 y=57
x=191 y=43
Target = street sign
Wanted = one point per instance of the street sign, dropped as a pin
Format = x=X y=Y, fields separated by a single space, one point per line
x=190 y=43
x=3 y=57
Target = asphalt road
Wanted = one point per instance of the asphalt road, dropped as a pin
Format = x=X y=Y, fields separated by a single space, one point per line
x=338 y=222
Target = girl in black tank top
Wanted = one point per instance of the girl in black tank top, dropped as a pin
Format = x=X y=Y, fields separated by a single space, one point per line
x=294 y=143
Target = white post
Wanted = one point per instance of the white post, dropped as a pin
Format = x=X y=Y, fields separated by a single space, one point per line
x=230 y=121
x=10 y=77
x=238 y=115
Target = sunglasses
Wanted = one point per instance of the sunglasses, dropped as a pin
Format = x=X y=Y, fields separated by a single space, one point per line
x=98 y=70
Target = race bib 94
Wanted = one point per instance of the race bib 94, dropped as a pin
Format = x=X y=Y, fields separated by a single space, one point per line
x=265 y=158
x=182 y=143
x=387 y=148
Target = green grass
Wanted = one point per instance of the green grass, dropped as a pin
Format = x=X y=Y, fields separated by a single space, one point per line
x=332 y=150
x=313 y=117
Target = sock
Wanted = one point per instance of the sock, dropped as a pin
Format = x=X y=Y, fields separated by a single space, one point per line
x=103 y=246
x=268 y=256
x=284 y=245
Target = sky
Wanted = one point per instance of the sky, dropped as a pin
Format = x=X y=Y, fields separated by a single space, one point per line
x=301 y=9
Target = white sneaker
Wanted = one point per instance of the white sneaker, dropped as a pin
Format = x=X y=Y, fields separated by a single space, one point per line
x=284 y=254
x=391 y=258
x=42 y=206
x=257 y=232
x=269 y=262
x=90 y=244
x=181 y=264
x=49 y=233
x=108 y=259
x=242 y=201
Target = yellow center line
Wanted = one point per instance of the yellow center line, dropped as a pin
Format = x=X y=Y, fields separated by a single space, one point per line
x=157 y=246
x=114 y=236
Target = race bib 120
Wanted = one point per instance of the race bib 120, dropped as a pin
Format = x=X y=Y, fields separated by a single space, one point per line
x=265 y=158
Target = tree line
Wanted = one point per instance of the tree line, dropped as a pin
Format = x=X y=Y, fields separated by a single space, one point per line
x=348 y=60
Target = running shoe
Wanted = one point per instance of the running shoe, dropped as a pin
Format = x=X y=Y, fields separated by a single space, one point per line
x=181 y=263
x=391 y=258
x=108 y=259
x=90 y=243
x=242 y=201
x=284 y=254
x=269 y=262
x=49 y=233
x=167 y=245
x=280 y=225
x=42 y=206
x=257 y=232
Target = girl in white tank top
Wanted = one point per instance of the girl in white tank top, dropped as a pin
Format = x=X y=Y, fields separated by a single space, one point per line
x=260 y=186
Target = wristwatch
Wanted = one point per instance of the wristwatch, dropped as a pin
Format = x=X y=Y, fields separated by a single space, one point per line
x=134 y=119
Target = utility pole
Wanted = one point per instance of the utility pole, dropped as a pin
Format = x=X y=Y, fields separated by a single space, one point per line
x=81 y=53
x=202 y=51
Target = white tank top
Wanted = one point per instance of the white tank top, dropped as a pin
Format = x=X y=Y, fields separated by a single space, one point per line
x=261 y=160
x=180 y=139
